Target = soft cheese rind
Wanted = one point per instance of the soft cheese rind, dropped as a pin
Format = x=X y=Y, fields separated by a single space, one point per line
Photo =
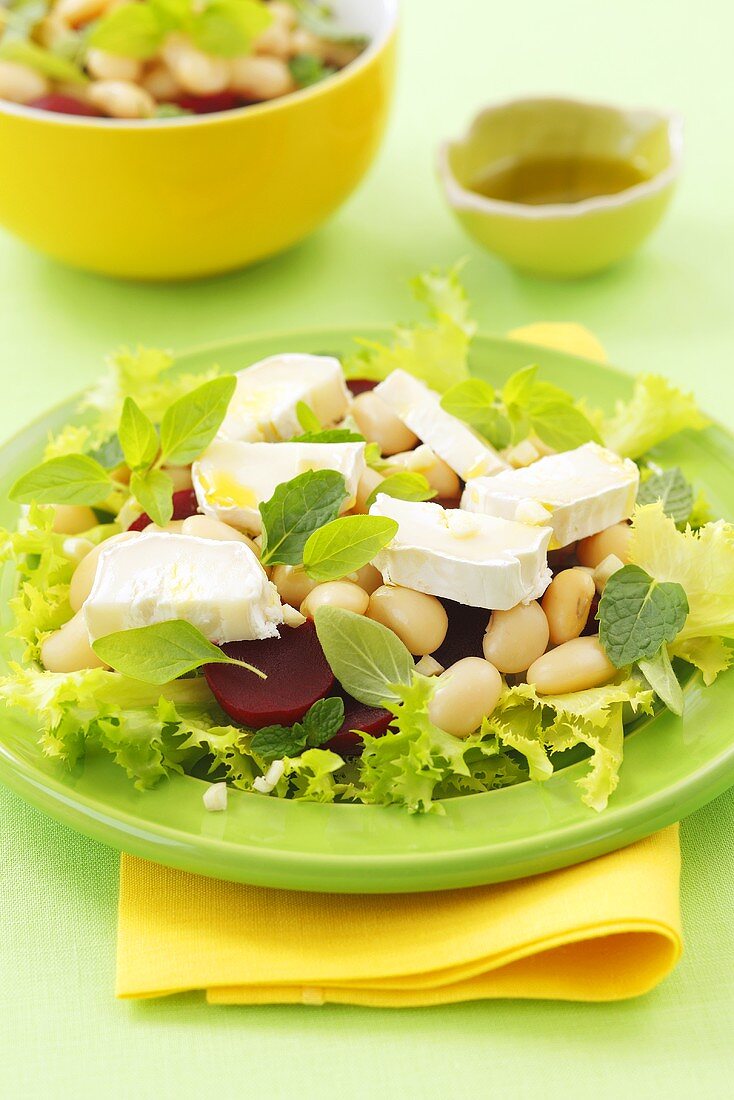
x=232 y=478
x=263 y=407
x=476 y=560
x=219 y=587
x=584 y=491
x=456 y=443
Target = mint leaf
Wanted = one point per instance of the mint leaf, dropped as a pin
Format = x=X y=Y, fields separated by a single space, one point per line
x=27 y=53
x=561 y=425
x=306 y=69
x=138 y=437
x=296 y=509
x=190 y=424
x=637 y=615
x=673 y=491
x=329 y=435
x=69 y=479
x=519 y=386
x=162 y=652
x=227 y=28
x=366 y=658
x=320 y=723
x=307 y=418
x=109 y=453
x=134 y=30
x=405 y=485
x=323 y=720
x=660 y=675
x=473 y=402
x=345 y=545
x=153 y=491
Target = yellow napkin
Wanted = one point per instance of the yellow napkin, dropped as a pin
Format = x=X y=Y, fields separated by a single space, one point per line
x=602 y=930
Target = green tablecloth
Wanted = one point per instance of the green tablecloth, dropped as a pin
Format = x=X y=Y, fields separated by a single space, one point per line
x=670 y=310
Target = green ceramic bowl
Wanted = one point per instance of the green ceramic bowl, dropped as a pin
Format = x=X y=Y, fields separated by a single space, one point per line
x=563 y=240
x=671 y=766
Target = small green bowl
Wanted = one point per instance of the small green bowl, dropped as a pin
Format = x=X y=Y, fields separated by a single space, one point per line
x=563 y=240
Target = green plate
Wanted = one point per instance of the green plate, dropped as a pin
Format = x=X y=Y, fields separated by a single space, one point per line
x=671 y=766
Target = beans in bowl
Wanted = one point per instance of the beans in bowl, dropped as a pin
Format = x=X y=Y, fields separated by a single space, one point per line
x=140 y=59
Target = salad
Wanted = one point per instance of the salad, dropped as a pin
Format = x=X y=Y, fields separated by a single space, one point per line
x=134 y=59
x=376 y=580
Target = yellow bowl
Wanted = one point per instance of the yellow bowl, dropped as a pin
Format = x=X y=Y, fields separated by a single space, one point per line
x=186 y=197
x=564 y=240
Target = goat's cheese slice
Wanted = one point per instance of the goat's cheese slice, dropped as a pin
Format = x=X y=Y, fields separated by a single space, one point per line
x=582 y=491
x=456 y=443
x=219 y=587
x=263 y=407
x=476 y=560
x=232 y=478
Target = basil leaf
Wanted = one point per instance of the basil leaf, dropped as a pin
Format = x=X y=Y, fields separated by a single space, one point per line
x=162 y=652
x=562 y=425
x=345 y=545
x=307 y=418
x=673 y=491
x=316 y=17
x=329 y=435
x=320 y=723
x=69 y=479
x=134 y=30
x=27 y=53
x=660 y=675
x=638 y=614
x=405 y=485
x=190 y=424
x=227 y=28
x=366 y=657
x=307 y=69
x=296 y=509
x=138 y=438
x=519 y=386
x=473 y=402
x=109 y=454
x=153 y=491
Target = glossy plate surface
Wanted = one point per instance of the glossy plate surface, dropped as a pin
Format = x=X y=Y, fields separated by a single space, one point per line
x=671 y=766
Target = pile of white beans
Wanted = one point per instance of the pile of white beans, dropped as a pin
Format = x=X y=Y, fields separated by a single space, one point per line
x=542 y=641
x=123 y=87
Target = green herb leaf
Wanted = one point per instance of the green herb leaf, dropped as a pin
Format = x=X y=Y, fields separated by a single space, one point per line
x=134 y=30
x=405 y=485
x=319 y=725
x=673 y=491
x=190 y=424
x=162 y=652
x=70 y=479
x=109 y=453
x=307 y=418
x=296 y=509
x=227 y=28
x=138 y=438
x=519 y=387
x=306 y=69
x=329 y=435
x=170 y=110
x=660 y=675
x=24 y=52
x=153 y=491
x=638 y=614
x=345 y=545
x=317 y=18
x=561 y=425
x=473 y=402
x=366 y=658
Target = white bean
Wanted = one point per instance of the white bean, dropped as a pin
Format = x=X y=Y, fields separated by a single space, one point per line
x=517 y=637
x=82 y=580
x=73 y=519
x=466 y=693
x=613 y=540
x=379 y=424
x=110 y=66
x=344 y=594
x=419 y=620
x=19 y=84
x=261 y=77
x=437 y=473
x=574 y=666
x=566 y=603
x=68 y=649
x=368 y=482
x=121 y=99
x=292 y=583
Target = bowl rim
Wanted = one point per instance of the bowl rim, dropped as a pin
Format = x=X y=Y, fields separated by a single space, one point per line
x=461 y=198
x=376 y=45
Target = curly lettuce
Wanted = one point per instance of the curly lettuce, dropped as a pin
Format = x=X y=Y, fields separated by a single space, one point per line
x=436 y=352
x=656 y=411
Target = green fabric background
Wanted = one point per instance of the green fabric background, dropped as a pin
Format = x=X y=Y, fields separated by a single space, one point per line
x=669 y=310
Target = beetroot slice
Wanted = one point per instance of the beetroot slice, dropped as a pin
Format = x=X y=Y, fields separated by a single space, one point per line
x=360 y=385
x=448 y=502
x=208 y=104
x=465 y=633
x=297 y=676
x=65 y=105
x=185 y=504
x=357 y=716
